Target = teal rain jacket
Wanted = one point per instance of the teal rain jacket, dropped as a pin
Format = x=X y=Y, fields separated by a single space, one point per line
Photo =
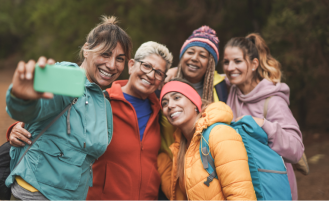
x=59 y=164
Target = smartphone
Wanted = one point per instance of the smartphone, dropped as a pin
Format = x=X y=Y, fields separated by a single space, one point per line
x=62 y=80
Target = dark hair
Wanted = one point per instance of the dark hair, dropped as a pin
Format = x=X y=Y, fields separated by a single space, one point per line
x=254 y=46
x=106 y=36
x=183 y=140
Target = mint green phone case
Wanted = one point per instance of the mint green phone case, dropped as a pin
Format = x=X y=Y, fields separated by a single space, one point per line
x=63 y=80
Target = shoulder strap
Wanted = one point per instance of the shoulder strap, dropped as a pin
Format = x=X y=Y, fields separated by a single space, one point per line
x=45 y=128
x=221 y=90
x=266 y=105
x=207 y=160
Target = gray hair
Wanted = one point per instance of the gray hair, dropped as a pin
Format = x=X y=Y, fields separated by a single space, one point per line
x=150 y=47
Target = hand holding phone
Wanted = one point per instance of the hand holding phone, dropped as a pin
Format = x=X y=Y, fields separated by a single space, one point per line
x=23 y=80
x=62 y=80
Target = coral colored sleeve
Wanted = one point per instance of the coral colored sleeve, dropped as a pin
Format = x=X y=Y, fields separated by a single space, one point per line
x=9 y=130
x=231 y=162
x=284 y=135
x=164 y=167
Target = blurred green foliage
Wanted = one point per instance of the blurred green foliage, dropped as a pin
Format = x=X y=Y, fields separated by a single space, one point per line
x=297 y=33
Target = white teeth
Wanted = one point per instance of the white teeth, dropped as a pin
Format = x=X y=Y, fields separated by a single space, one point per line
x=105 y=73
x=234 y=74
x=175 y=114
x=192 y=66
x=145 y=81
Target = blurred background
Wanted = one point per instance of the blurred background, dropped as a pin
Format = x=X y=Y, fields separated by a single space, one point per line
x=297 y=33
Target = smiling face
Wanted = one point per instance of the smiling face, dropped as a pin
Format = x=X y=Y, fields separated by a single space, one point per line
x=194 y=63
x=140 y=84
x=237 y=69
x=105 y=67
x=179 y=110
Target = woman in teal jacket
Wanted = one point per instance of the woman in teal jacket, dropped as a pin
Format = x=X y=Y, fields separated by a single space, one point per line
x=58 y=165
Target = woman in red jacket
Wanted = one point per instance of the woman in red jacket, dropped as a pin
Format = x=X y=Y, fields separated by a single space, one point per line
x=128 y=168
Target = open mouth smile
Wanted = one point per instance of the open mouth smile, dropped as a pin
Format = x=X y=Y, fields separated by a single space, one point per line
x=105 y=74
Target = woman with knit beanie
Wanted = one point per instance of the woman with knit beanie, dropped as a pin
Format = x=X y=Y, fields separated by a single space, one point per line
x=183 y=177
x=199 y=56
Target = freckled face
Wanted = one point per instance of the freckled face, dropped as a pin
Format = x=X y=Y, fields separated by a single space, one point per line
x=178 y=109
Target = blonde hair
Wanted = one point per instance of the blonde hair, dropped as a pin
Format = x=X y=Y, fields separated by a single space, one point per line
x=105 y=37
x=254 y=46
x=152 y=47
x=208 y=80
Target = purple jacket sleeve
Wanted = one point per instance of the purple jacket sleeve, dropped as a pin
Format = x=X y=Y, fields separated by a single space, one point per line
x=284 y=135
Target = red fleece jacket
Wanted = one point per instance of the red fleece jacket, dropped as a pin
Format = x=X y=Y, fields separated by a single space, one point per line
x=128 y=169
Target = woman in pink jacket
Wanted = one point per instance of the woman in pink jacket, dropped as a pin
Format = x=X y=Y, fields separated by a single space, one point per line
x=256 y=90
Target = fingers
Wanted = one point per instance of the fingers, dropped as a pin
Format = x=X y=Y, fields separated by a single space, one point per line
x=46 y=95
x=42 y=61
x=51 y=61
x=19 y=128
x=14 y=140
x=29 y=69
x=21 y=70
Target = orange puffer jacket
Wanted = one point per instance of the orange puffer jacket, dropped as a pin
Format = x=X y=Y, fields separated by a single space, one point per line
x=231 y=161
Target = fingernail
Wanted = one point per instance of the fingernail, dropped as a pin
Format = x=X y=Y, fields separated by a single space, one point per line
x=29 y=135
x=22 y=76
x=28 y=76
x=30 y=142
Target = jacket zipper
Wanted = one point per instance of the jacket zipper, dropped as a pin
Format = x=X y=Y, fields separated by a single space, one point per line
x=140 y=150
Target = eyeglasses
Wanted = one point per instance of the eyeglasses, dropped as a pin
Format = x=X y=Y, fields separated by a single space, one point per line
x=147 y=68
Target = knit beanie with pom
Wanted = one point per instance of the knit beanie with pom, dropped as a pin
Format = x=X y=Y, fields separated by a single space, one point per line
x=203 y=37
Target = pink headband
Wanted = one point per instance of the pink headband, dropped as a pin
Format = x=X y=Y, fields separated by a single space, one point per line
x=184 y=89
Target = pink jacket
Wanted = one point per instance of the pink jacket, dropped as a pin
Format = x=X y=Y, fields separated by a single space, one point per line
x=282 y=129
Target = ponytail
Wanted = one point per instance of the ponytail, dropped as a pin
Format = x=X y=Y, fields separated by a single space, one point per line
x=254 y=46
x=269 y=66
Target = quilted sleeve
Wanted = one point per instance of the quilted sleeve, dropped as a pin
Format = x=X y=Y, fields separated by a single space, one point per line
x=231 y=163
x=164 y=168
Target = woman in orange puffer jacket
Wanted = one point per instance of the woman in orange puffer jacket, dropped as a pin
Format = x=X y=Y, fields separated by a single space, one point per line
x=182 y=177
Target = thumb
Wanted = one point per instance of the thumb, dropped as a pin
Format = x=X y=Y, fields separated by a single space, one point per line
x=46 y=95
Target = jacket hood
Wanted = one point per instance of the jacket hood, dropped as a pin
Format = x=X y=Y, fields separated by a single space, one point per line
x=215 y=112
x=263 y=90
